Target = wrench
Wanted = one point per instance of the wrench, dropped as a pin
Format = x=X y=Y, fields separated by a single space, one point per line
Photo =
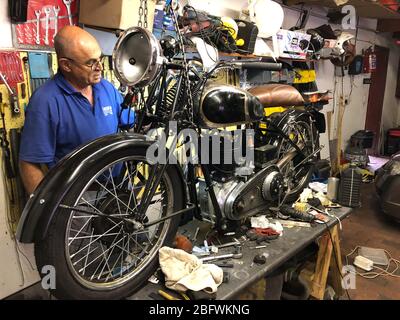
x=68 y=5
x=6 y=83
x=37 y=13
x=56 y=11
x=47 y=11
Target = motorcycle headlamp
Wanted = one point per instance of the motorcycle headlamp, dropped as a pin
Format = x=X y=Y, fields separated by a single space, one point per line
x=137 y=57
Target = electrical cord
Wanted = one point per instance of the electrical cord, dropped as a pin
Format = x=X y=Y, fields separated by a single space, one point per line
x=383 y=272
x=203 y=34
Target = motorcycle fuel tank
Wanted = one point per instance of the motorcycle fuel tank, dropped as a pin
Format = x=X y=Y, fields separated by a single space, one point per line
x=224 y=105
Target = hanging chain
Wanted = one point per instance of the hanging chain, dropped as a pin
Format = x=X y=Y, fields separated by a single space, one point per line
x=143 y=11
x=140 y=13
x=185 y=63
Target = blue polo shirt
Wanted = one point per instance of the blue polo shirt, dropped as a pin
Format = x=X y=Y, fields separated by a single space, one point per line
x=58 y=119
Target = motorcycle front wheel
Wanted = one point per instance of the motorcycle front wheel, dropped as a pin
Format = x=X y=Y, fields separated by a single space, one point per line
x=96 y=252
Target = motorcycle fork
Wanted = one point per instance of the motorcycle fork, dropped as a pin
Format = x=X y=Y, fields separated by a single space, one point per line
x=157 y=169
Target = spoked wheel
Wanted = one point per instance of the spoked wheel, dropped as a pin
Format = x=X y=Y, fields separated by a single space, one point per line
x=99 y=244
x=304 y=135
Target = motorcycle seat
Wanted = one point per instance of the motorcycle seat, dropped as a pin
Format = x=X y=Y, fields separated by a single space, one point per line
x=277 y=95
x=316 y=96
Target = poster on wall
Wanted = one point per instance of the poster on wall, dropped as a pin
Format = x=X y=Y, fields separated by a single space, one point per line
x=44 y=19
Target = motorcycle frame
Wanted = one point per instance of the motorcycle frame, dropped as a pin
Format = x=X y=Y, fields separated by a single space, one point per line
x=157 y=169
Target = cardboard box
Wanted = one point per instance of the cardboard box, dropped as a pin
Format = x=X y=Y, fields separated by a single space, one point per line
x=114 y=14
x=293 y=44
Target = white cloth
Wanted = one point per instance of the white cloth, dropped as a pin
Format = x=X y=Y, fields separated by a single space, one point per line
x=184 y=271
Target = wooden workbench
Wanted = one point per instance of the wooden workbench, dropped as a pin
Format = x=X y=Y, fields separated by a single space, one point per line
x=279 y=251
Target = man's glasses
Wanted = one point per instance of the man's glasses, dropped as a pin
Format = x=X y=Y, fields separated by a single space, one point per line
x=92 y=65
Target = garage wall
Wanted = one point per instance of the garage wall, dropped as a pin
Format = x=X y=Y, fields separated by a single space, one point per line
x=11 y=277
x=17 y=267
x=5 y=26
x=355 y=114
x=391 y=108
x=16 y=272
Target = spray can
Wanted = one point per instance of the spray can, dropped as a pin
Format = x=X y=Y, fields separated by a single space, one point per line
x=333 y=186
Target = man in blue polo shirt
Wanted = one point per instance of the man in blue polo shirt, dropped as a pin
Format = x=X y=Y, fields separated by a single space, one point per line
x=73 y=108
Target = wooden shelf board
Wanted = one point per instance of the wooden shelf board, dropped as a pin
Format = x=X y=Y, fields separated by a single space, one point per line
x=364 y=8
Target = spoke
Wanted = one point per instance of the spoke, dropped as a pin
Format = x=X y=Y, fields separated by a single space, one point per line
x=69 y=243
x=87 y=256
x=123 y=244
x=115 y=191
x=87 y=216
x=116 y=198
x=83 y=232
x=132 y=189
x=126 y=176
x=112 y=268
x=84 y=256
x=105 y=261
x=97 y=210
x=137 y=242
x=98 y=266
x=96 y=239
x=93 y=200
x=104 y=253
x=95 y=235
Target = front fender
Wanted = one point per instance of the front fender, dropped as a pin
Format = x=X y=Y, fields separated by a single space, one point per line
x=43 y=203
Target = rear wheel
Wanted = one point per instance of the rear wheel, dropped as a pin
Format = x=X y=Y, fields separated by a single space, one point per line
x=98 y=255
x=305 y=136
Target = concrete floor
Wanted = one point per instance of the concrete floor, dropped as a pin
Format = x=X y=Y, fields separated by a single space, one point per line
x=367 y=226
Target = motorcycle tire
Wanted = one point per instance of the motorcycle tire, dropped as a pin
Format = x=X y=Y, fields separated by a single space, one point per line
x=307 y=173
x=54 y=249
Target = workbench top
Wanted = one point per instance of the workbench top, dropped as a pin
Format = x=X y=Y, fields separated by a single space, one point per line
x=278 y=251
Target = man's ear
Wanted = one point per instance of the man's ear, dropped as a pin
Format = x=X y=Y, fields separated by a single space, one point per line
x=64 y=65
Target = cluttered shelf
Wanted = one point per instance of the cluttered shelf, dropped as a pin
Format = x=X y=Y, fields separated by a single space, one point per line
x=242 y=56
x=364 y=8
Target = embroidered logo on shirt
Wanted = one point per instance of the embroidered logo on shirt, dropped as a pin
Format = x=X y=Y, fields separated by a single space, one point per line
x=107 y=110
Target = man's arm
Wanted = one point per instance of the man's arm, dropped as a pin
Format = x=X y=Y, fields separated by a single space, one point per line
x=31 y=175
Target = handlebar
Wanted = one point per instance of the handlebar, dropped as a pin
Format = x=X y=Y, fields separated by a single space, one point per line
x=268 y=66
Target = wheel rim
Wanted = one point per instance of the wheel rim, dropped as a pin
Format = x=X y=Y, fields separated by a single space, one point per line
x=105 y=253
x=300 y=131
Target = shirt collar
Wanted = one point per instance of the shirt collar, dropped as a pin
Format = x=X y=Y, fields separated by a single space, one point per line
x=66 y=86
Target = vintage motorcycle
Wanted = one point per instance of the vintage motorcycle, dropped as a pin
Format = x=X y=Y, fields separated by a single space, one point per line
x=103 y=212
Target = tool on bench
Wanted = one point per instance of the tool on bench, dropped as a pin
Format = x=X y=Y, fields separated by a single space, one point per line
x=171 y=297
x=223 y=256
x=259 y=259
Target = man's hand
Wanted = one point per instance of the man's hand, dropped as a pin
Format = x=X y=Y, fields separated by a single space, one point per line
x=31 y=175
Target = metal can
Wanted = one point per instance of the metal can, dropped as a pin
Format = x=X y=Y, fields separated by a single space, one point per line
x=333 y=186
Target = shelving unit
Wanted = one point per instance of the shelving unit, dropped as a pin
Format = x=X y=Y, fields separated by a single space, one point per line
x=365 y=8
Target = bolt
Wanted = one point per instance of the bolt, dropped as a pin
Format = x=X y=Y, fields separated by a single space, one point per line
x=42 y=201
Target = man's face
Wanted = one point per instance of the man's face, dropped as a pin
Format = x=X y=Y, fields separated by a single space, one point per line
x=85 y=66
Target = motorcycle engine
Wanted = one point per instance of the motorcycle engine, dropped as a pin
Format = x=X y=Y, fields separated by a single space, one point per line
x=238 y=198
